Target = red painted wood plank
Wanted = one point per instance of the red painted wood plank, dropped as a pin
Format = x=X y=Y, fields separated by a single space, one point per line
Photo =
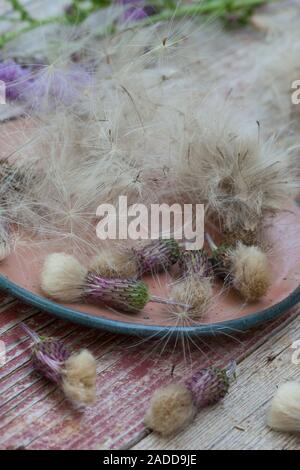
x=117 y=419
x=41 y=410
x=13 y=389
x=13 y=313
x=12 y=386
x=21 y=353
x=36 y=415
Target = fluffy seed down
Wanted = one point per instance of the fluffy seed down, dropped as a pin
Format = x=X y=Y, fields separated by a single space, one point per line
x=171 y=409
x=249 y=272
x=115 y=264
x=79 y=378
x=63 y=277
x=196 y=292
x=284 y=413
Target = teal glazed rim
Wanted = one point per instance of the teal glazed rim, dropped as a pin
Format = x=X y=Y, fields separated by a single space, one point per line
x=137 y=329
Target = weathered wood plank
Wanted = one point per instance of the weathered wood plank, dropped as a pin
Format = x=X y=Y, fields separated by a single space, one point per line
x=40 y=392
x=9 y=318
x=46 y=409
x=129 y=373
x=14 y=384
x=239 y=422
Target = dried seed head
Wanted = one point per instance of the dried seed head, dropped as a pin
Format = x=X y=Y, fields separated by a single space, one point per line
x=157 y=256
x=63 y=277
x=171 y=409
x=79 y=378
x=116 y=264
x=248 y=237
x=194 y=262
x=245 y=268
x=124 y=294
x=284 y=413
x=208 y=386
x=249 y=272
x=196 y=292
x=74 y=373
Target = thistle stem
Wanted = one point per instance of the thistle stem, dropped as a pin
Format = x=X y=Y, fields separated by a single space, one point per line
x=215 y=6
x=161 y=300
x=23 y=13
x=10 y=35
x=231 y=370
x=32 y=334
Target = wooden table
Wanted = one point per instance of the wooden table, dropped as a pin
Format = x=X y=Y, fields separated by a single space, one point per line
x=35 y=415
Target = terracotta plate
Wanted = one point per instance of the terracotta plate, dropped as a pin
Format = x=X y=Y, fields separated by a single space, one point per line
x=20 y=274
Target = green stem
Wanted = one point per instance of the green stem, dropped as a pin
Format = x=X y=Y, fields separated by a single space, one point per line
x=216 y=6
x=5 y=38
x=24 y=14
x=8 y=19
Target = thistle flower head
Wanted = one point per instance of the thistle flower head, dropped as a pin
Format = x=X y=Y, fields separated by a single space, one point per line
x=208 y=386
x=194 y=262
x=15 y=77
x=248 y=237
x=65 y=279
x=124 y=294
x=75 y=373
x=194 y=291
x=220 y=260
x=59 y=84
x=244 y=267
x=115 y=264
x=249 y=272
x=195 y=287
x=157 y=256
x=48 y=358
x=79 y=378
x=173 y=407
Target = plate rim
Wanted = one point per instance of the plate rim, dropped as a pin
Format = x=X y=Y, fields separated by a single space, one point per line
x=137 y=329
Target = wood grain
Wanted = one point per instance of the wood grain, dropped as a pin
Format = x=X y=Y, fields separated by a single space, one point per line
x=34 y=413
x=239 y=422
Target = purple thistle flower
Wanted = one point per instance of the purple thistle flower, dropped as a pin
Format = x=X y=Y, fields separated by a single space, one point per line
x=194 y=263
x=159 y=255
x=136 y=10
x=124 y=294
x=48 y=355
x=61 y=85
x=208 y=386
x=134 y=14
x=129 y=295
x=45 y=85
x=15 y=77
x=131 y=2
